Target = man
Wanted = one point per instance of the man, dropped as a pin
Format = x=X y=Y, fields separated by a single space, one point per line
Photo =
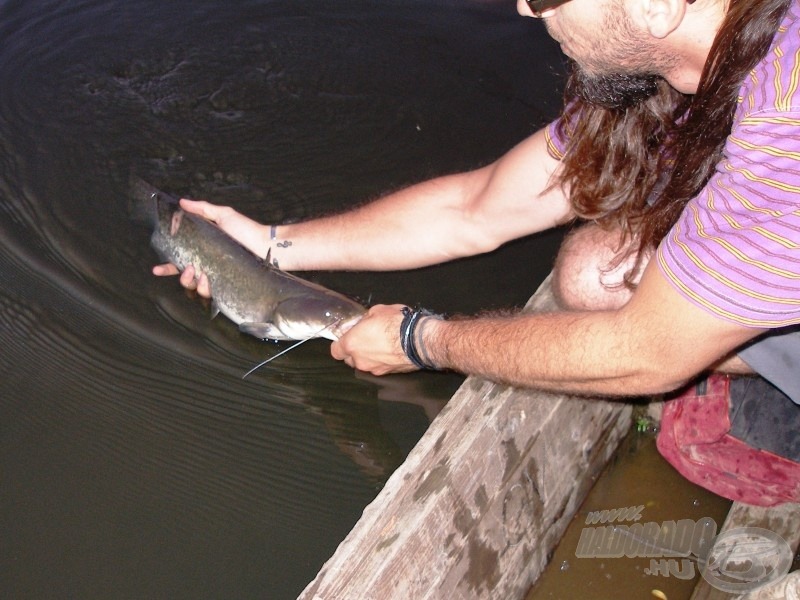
x=656 y=80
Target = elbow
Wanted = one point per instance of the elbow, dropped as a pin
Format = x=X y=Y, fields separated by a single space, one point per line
x=658 y=380
x=469 y=242
x=664 y=385
x=652 y=364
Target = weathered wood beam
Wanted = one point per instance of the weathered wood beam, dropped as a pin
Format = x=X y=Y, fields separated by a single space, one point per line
x=482 y=500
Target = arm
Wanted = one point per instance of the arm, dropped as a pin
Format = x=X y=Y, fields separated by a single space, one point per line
x=655 y=343
x=438 y=220
x=428 y=223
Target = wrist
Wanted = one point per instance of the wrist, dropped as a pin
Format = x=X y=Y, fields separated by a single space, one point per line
x=415 y=337
x=276 y=243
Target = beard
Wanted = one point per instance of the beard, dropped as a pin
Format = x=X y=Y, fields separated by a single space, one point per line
x=613 y=91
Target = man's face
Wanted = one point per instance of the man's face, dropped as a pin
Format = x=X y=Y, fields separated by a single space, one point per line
x=617 y=64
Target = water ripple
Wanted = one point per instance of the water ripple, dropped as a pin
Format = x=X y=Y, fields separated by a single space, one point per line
x=135 y=459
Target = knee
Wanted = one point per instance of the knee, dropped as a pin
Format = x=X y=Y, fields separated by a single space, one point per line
x=588 y=274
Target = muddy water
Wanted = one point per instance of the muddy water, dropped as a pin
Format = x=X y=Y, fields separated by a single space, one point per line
x=637 y=478
x=134 y=461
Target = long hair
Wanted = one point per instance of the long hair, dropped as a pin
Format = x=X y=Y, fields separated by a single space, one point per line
x=636 y=168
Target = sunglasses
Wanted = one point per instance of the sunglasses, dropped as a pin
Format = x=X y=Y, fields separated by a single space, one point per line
x=540 y=6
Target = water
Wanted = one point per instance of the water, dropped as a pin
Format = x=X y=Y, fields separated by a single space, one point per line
x=134 y=461
x=637 y=476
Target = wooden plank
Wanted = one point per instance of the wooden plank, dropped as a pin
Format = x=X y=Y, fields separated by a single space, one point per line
x=482 y=500
x=783 y=520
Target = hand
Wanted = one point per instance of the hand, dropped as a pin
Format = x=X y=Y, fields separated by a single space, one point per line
x=251 y=234
x=373 y=344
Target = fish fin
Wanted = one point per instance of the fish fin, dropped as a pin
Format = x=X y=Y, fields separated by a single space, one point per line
x=268 y=257
x=214 y=309
x=141 y=202
x=264 y=331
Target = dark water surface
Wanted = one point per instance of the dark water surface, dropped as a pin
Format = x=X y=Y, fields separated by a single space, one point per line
x=134 y=461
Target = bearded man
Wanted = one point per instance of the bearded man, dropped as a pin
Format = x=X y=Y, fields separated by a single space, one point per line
x=679 y=147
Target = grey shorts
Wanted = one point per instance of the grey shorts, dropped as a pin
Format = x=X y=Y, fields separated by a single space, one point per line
x=764 y=417
x=776 y=357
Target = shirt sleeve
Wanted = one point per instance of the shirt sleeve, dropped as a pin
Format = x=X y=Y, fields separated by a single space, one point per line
x=735 y=250
x=555 y=137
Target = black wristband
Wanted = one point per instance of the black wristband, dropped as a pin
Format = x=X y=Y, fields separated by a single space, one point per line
x=411 y=319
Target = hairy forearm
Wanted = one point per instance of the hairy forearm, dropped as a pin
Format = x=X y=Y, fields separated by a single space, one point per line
x=410 y=228
x=586 y=353
x=655 y=343
x=435 y=221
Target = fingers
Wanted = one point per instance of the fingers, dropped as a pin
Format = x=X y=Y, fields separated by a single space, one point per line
x=338 y=352
x=191 y=280
x=251 y=234
x=201 y=208
x=165 y=270
x=211 y=212
x=188 y=279
x=203 y=286
x=373 y=344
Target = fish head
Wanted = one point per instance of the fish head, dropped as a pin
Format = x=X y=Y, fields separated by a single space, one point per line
x=327 y=315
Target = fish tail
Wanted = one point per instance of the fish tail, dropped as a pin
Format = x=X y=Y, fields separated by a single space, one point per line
x=143 y=201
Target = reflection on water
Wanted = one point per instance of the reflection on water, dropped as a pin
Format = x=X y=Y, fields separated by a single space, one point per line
x=134 y=460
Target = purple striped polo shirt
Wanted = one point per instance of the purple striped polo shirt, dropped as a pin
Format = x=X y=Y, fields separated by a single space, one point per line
x=735 y=250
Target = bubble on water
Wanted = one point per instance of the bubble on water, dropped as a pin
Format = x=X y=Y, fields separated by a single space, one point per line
x=565 y=565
